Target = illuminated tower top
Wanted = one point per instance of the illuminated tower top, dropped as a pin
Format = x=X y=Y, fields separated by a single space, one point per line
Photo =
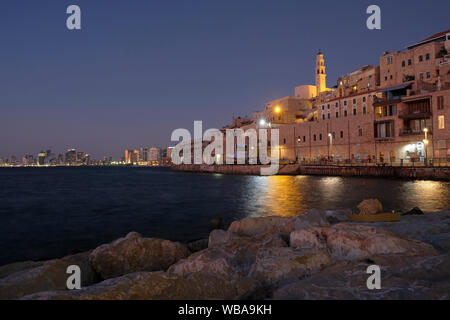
x=321 y=77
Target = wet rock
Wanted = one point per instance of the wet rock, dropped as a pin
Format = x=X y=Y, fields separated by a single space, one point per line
x=197 y=245
x=420 y=278
x=414 y=211
x=311 y=218
x=156 y=286
x=257 y=226
x=220 y=237
x=352 y=241
x=8 y=269
x=135 y=253
x=230 y=260
x=371 y=206
x=433 y=228
x=274 y=265
x=27 y=278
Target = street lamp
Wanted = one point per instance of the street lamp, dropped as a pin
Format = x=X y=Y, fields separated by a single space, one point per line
x=425 y=142
x=277 y=109
x=331 y=144
x=262 y=122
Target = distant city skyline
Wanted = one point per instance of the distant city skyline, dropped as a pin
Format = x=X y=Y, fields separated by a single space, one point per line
x=138 y=70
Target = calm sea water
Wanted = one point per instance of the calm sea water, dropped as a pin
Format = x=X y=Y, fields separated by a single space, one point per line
x=51 y=212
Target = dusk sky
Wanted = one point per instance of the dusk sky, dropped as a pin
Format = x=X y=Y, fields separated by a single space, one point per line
x=140 y=69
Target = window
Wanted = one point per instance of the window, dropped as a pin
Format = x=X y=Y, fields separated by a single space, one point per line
x=360 y=132
x=389 y=60
x=385 y=78
x=345 y=113
x=420 y=58
x=421 y=76
x=342 y=134
x=364 y=99
x=323 y=107
x=364 y=110
x=354 y=111
x=392 y=110
x=337 y=104
x=441 y=122
x=304 y=138
x=354 y=101
x=403 y=63
x=428 y=75
x=328 y=106
x=427 y=57
x=337 y=114
x=409 y=62
x=390 y=77
x=320 y=136
x=345 y=102
x=329 y=115
x=284 y=141
x=315 y=137
x=323 y=116
x=334 y=135
x=440 y=102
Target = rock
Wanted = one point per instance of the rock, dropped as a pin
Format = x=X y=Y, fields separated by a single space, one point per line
x=352 y=241
x=197 y=245
x=414 y=211
x=431 y=228
x=230 y=260
x=274 y=265
x=135 y=253
x=156 y=286
x=249 y=227
x=42 y=276
x=371 y=206
x=311 y=218
x=8 y=269
x=421 y=278
x=217 y=223
x=220 y=237
x=337 y=216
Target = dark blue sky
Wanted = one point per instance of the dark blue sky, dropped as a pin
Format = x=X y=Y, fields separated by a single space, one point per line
x=139 y=69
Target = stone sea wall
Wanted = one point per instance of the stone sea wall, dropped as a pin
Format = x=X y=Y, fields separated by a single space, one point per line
x=436 y=173
x=316 y=255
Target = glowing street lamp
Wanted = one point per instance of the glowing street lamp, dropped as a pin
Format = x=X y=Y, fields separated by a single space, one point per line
x=262 y=122
x=331 y=144
x=425 y=142
x=277 y=109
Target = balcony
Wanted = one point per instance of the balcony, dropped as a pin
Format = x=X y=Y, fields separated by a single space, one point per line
x=412 y=132
x=385 y=101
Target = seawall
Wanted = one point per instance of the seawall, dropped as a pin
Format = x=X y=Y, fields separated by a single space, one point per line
x=433 y=173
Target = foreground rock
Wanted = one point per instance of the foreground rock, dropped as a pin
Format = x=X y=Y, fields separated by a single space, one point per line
x=22 y=279
x=156 y=286
x=231 y=259
x=415 y=278
x=135 y=253
x=352 y=241
x=258 y=226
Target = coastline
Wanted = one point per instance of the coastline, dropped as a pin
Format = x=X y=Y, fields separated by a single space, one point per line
x=316 y=255
x=419 y=173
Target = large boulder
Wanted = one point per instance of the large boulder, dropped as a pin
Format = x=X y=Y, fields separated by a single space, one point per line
x=156 y=286
x=22 y=279
x=274 y=265
x=370 y=206
x=249 y=227
x=311 y=218
x=352 y=241
x=410 y=278
x=134 y=253
x=231 y=260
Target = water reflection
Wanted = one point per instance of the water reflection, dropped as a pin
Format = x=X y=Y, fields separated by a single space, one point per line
x=290 y=196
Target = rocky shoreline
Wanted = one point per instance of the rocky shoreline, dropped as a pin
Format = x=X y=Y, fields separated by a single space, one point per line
x=317 y=255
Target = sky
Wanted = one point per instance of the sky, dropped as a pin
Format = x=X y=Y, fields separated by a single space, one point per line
x=139 y=69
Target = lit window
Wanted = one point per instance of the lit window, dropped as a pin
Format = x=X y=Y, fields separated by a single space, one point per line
x=441 y=122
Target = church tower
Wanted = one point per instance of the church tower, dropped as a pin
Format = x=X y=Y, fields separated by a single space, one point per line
x=321 y=77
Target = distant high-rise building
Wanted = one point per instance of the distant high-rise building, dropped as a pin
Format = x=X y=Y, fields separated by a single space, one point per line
x=71 y=157
x=41 y=158
x=154 y=155
x=143 y=154
x=131 y=156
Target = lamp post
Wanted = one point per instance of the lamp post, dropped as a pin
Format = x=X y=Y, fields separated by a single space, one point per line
x=425 y=142
x=331 y=144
